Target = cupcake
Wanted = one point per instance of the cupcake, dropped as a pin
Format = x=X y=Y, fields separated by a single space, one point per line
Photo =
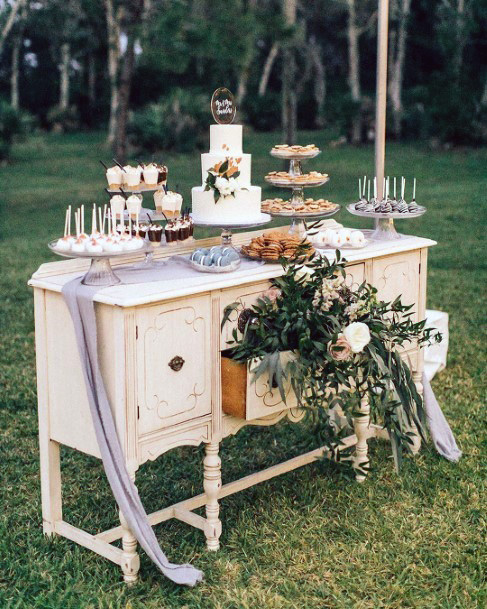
x=154 y=233
x=170 y=204
x=117 y=205
x=134 y=205
x=151 y=174
x=171 y=233
x=133 y=177
x=114 y=177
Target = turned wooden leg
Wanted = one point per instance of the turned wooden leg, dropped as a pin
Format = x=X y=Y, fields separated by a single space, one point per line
x=50 y=484
x=417 y=378
x=361 y=427
x=130 y=561
x=212 y=484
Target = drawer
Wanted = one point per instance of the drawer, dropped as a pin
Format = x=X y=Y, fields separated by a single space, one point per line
x=398 y=275
x=173 y=363
x=250 y=399
x=247 y=296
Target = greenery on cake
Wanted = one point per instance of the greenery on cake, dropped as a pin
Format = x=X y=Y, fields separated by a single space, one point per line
x=223 y=180
x=344 y=345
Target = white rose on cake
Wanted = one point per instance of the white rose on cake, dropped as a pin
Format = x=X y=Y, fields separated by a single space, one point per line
x=223 y=186
x=234 y=184
x=357 y=335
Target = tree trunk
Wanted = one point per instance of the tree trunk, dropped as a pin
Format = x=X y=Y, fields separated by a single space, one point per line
x=461 y=40
x=397 y=61
x=267 y=69
x=14 y=77
x=64 y=81
x=247 y=63
x=354 y=71
x=91 y=81
x=19 y=4
x=319 y=81
x=113 y=38
x=120 y=144
x=289 y=95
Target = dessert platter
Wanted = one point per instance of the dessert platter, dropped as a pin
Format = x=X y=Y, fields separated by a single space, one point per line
x=298 y=207
x=100 y=245
x=273 y=246
x=217 y=259
x=226 y=198
x=387 y=209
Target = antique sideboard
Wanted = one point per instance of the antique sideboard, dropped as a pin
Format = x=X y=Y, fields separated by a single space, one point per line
x=159 y=351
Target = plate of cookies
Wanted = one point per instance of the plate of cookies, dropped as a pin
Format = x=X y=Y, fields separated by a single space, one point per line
x=285 y=179
x=308 y=208
x=273 y=246
x=284 y=151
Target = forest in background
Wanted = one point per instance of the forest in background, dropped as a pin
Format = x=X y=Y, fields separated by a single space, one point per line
x=144 y=70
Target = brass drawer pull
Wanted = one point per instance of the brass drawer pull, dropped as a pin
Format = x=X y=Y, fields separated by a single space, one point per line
x=176 y=363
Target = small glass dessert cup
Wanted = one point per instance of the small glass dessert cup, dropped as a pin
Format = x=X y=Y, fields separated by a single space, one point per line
x=114 y=177
x=151 y=173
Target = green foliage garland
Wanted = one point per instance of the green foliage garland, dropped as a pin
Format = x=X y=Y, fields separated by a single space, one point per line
x=345 y=345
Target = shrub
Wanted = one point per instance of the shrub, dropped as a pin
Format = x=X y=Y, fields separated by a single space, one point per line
x=176 y=122
x=63 y=120
x=13 y=123
x=263 y=113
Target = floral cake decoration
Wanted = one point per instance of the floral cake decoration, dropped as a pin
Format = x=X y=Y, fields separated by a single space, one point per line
x=223 y=179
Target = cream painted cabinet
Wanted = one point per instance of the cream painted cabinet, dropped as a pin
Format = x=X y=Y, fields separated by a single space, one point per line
x=173 y=363
x=160 y=349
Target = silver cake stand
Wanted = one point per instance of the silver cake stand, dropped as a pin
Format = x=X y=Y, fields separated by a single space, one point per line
x=100 y=272
x=226 y=228
x=385 y=229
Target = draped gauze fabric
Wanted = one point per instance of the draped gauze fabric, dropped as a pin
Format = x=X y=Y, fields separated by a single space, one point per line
x=440 y=431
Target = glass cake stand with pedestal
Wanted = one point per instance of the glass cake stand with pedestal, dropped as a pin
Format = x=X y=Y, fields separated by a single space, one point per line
x=227 y=227
x=384 y=228
x=100 y=272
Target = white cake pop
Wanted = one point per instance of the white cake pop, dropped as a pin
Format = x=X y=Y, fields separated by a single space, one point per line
x=346 y=235
x=357 y=238
x=337 y=240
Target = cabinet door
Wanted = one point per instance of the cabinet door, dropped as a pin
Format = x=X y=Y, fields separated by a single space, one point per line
x=355 y=275
x=398 y=275
x=246 y=296
x=173 y=363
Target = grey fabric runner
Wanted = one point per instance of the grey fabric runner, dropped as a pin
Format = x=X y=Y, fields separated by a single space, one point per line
x=440 y=431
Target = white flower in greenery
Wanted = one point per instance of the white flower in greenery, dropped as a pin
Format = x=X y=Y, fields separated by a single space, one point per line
x=357 y=335
x=223 y=186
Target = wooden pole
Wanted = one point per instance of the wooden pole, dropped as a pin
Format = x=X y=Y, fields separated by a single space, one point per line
x=381 y=94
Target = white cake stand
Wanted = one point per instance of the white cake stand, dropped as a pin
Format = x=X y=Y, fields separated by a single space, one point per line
x=385 y=229
x=100 y=272
x=227 y=227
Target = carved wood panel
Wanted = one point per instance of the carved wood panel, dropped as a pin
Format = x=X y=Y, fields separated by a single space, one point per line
x=173 y=362
x=398 y=276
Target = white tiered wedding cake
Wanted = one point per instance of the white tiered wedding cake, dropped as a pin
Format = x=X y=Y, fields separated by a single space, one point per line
x=226 y=194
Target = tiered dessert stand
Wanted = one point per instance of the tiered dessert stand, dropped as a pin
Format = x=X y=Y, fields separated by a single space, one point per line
x=297 y=197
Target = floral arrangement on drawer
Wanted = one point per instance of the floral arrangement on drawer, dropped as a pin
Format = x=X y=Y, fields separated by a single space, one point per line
x=223 y=179
x=344 y=344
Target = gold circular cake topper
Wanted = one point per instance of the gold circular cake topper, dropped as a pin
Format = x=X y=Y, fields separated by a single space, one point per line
x=223 y=106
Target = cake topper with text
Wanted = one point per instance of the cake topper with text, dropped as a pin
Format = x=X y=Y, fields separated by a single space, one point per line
x=223 y=106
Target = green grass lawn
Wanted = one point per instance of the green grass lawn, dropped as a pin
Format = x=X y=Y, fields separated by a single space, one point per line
x=309 y=539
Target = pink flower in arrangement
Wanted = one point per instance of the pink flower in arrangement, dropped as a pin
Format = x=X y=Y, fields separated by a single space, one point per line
x=272 y=294
x=343 y=352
